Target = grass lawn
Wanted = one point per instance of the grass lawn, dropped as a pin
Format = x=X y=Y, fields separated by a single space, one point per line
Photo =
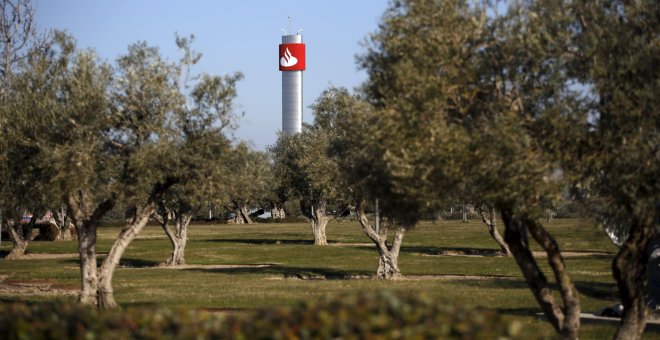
x=276 y=264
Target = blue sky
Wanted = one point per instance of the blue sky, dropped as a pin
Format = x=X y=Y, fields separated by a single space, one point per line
x=240 y=35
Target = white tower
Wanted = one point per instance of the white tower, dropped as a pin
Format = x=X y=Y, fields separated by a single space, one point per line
x=292 y=65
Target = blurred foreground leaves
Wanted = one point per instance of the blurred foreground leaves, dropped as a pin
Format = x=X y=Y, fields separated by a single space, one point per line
x=382 y=315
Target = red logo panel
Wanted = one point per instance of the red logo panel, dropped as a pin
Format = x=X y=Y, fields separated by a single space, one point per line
x=292 y=57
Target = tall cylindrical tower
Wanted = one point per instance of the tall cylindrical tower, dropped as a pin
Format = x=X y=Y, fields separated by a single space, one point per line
x=292 y=65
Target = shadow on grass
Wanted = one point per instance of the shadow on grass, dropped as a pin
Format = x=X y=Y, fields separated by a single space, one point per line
x=137 y=263
x=595 y=290
x=451 y=251
x=141 y=304
x=123 y=263
x=302 y=273
x=498 y=283
x=57 y=301
x=518 y=311
x=598 y=290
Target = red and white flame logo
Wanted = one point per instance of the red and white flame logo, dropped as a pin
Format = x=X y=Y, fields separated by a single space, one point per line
x=292 y=57
x=288 y=60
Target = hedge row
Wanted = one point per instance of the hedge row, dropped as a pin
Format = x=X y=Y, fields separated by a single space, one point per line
x=383 y=315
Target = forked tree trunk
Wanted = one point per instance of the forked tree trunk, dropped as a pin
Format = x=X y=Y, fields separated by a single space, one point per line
x=388 y=257
x=388 y=260
x=178 y=237
x=106 y=298
x=319 y=218
x=67 y=230
x=318 y=228
x=241 y=215
x=487 y=214
x=629 y=269
x=86 y=218
x=566 y=319
x=20 y=235
x=276 y=211
x=244 y=214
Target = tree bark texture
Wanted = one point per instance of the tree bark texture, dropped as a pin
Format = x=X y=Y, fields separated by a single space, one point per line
x=20 y=235
x=67 y=229
x=88 y=275
x=566 y=319
x=629 y=270
x=388 y=257
x=106 y=298
x=277 y=211
x=86 y=218
x=241 y=215
x=178 y=237
x=487 y=214
x=141 y=215
x=319 y=218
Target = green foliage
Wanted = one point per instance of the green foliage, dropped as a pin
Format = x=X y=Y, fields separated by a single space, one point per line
x=303 y=166
x=384 y=314
x=59 y=109
x=249 y=176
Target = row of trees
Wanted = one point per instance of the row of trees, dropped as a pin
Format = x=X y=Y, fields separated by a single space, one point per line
x=509 y=111
x=145 y=136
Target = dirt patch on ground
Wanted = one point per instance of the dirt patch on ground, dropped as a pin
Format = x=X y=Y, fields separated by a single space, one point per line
x=151 y=237
x=47 y=256
x=313 y=277
x=216 y=266
x=465 y=253
x=32 y=289
x=401 y=278
x=340 y=244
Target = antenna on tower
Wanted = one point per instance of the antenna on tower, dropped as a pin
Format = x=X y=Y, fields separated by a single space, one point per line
x=289 y=25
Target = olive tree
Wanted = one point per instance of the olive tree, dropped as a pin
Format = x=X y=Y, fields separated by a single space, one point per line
x=249 y=180
x=111 y=139
x=459 y=90
x=611 y=50
x=20 y=171
x=306 y=172
x=200 y=125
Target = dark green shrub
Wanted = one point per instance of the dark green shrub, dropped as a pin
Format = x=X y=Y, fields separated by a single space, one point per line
x=382 y=315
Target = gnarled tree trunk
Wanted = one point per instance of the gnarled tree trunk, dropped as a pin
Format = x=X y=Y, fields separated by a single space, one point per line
x=86 y=219
x=241 y=215
x=179 y=236
x=140 y=217
x=566 y=319
x=20 y=235
x=277 y=211
x=388 y=257
x=67 y=229
x=629 y=270
x=106 y=298
x=319 y=217
x=487 y=214
x=87 y=253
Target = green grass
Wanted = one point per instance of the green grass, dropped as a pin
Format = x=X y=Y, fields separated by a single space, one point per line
x=288 y=250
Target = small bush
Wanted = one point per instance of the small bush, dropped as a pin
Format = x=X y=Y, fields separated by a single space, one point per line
x=385 y=315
